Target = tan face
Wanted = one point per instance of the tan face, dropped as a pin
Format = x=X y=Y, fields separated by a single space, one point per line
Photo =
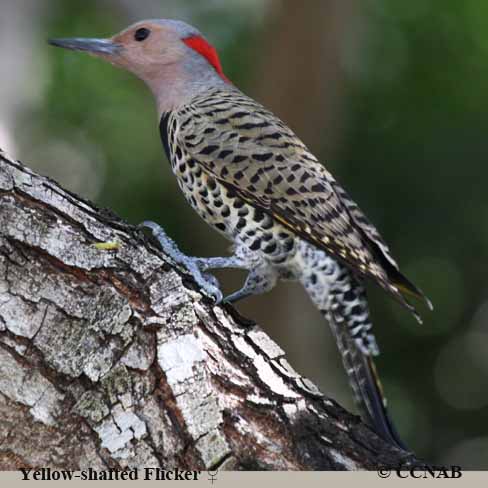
x=145 y=48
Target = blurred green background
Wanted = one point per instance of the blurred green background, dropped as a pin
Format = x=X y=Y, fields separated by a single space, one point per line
x=391 y=95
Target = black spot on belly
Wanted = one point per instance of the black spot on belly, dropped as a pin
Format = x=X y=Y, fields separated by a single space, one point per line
x=241 y=223
x=211 y=184
x=220 y=226
x=356 y=310
x=270 y=248
x=255 y=245
x=349 y=295
x=280 y=260
x=243 y=211
x=258 y=215
x=288 y=245
x=238 y=203
x=267 y=224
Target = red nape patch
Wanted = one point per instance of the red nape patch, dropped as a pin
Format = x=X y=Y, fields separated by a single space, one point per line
x=201 y=46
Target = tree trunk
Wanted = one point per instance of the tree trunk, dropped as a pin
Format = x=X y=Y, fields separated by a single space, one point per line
x=112 y=358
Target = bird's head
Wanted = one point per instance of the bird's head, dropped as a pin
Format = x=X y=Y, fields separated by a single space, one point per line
x=171 y=57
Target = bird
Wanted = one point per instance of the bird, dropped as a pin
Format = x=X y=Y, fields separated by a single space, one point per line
x=251 y=178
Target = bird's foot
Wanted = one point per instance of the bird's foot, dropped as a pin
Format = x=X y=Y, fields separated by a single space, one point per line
x=261 y=277
x=259 y=280
x=197 y=267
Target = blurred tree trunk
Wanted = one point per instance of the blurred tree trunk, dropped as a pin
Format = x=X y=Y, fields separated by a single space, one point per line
x=300 y=74
x=111 y=358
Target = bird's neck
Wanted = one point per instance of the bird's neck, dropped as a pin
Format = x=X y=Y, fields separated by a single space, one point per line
x=176 y=85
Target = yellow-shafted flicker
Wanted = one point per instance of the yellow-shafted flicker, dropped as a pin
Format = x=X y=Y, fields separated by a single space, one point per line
x=254 y=181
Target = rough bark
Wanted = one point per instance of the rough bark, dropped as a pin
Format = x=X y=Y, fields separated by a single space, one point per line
x=112 y=358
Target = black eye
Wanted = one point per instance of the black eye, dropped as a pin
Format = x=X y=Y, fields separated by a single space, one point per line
x=141 y=34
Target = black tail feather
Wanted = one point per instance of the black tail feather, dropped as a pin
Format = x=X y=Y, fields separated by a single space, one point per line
x=379 y=416
x=367 y=388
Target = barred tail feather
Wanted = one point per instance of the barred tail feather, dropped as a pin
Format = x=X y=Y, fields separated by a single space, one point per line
x=348 y=316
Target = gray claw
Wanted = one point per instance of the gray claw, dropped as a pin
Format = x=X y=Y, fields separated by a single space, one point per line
x=207 y=282
x=236 y=296
x=217 y=295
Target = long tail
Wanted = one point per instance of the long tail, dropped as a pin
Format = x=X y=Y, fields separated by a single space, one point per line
x=348 y=316
x=341 y=298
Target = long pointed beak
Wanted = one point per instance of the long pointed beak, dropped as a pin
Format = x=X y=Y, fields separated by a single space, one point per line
x=94 y=46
